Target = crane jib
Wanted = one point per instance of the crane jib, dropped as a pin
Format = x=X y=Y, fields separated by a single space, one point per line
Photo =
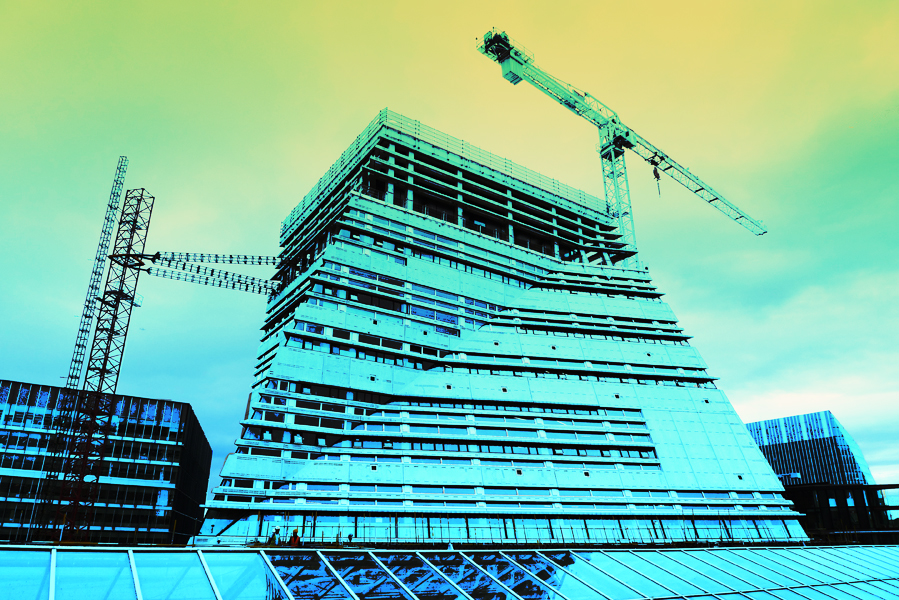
x=518 y=64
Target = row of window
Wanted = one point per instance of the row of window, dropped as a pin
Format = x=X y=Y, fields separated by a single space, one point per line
x=447 y=241
x=492 y=307
x=535 y=374
x=528 y=505
x=641 y=288
x=446 y=429
x=384 y=399
x=360 y=353
x=339 y=349
x=499 y=370
x=416 y=252
x=536 y=463
x=392 y=305
x=420 y=289
x=111 y=468
x=285 y=436
x=116 y=449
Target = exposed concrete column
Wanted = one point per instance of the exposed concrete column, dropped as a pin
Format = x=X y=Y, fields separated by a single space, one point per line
x=459 y=219
x=391 y=160
x=511 y=217
x=580 y=240
x=555 y=235
x=409 y=191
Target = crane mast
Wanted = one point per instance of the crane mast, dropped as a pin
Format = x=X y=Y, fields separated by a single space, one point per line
x=518 y=65
x=84 y=416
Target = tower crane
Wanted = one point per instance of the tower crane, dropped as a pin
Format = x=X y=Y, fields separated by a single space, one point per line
x=518 y=65
x=83 y=418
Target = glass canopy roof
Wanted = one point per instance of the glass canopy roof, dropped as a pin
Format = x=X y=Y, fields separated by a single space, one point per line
x=787 y=573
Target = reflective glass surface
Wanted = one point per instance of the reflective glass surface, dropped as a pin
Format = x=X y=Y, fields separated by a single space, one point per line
x=421 y=579
x=519 y=581
x=605 y=562
x=595 y=578
x=800 y=562
x=852 y=572
x=242 y=576
x=172 y=576
x=463 y=573
x=873 y=555
x=855 y=590
x=843 y=567
x=744 y=561
x=306 y=576
x=25 y=574
x=365 y=577
x=812 y=593
x=789 y=595
x=770 y=564
x=672 y=563
x=94 y=576
x=761 y=596
x=552 y=574
x=872 y=567
x=720 y=565
x=646 y=566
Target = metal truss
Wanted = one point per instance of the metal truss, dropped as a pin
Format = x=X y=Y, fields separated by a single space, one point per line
x=68 y=400
x=88 y=429
x=93 y=288
x=518 y=65
x=234 y=259
x=215 y=278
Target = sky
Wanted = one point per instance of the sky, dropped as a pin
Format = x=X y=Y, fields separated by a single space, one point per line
x=230 y=112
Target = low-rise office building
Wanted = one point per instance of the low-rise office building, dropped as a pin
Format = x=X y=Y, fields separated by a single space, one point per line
x=155 y=473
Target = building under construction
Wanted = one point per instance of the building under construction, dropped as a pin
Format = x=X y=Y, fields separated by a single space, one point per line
x=151 y=483
x=456 y=354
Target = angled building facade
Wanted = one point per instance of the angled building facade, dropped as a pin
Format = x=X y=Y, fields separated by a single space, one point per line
x=811 y=448
x=457 y=354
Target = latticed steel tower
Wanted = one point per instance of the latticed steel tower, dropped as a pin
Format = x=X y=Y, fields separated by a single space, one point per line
x=459 y=352
x=83 y=416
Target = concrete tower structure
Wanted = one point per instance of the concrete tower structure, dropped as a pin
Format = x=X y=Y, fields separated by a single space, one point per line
x=455 y=355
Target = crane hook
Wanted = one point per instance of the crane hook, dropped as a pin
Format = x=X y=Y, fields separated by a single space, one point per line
x=655 y=173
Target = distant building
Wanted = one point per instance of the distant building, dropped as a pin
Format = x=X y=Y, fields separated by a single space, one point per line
x=156 y=473
x=861 y=514
x=828 y=480
x=461 y=353
x=811 y=448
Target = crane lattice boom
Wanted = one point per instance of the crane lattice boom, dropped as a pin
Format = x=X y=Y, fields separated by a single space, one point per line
x=518 y=65
x=234 y=259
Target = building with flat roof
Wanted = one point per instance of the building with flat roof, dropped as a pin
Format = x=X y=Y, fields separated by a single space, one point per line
x=811 y=448
x=458 y=354
x=828 y=479
x=154 y=477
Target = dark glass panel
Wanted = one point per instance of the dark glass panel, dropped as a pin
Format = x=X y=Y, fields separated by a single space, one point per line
x=418 y=577
x=468 y=577
x=365 y=577
x=306 y=577
x=512 y=577
x=552 y=574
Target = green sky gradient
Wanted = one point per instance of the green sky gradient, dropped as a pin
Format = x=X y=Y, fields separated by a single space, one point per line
x=231 y=111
